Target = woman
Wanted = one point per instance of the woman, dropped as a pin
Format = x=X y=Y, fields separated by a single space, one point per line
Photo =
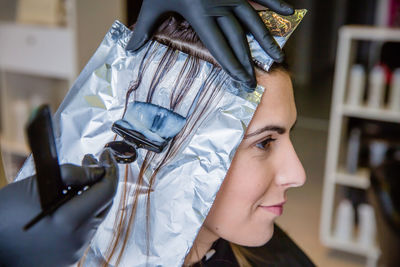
x=264 y=167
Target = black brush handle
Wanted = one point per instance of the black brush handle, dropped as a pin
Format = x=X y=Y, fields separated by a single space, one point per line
x=42 y=142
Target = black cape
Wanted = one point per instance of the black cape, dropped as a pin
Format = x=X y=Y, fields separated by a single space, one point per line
x=280 y=251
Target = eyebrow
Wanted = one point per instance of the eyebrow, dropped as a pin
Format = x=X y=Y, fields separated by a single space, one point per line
x=270 y=128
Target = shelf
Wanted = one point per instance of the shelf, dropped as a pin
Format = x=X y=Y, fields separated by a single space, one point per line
x=352 y=247
x=43 y=51
x=370 y=113
x=33 y=25
x=14 y=147
x=370 y=33
x=35 y=58
x=360 y=179
x=347 y=49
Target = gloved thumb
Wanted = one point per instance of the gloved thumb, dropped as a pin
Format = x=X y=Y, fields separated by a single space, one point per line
x=73 y=175
x=92 y=202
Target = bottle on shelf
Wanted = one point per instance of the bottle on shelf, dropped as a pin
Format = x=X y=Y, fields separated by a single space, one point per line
x=356 y=85
x=394 y=97
x=367 y=225
x=353 y=149
x=376 y=88
x=344 y=221
x=377 y=152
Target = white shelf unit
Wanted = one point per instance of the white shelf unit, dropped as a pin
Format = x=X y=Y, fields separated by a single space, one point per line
x=334 y=174
x=42 y=61
x=360 y=179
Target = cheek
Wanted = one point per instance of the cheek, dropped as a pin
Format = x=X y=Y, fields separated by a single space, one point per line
x=247 y=181
x=253 y=177
x=235 y=215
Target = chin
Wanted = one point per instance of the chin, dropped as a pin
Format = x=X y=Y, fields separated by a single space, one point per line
x=258 y=239
x=267 y=237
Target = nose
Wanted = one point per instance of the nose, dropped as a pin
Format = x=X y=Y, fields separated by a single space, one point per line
x=291 y=172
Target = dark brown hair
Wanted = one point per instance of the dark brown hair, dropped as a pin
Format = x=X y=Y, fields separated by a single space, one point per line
x=177 y=33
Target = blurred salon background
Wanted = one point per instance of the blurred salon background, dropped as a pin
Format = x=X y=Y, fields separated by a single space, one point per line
x=345 y=63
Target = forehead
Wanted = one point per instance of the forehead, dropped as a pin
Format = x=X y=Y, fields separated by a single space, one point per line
x=277 y=104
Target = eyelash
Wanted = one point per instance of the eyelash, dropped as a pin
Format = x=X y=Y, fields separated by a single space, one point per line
x=264 y=144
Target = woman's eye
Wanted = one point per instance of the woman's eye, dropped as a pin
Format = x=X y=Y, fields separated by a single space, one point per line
x=264 y=145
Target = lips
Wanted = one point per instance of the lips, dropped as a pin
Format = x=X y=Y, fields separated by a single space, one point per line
x=275 y=209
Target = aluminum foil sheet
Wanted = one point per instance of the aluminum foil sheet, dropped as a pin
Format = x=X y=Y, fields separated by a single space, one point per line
x=281 y=27
x=186 y=186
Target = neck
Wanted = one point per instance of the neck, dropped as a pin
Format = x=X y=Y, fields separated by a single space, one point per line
x=201 y=246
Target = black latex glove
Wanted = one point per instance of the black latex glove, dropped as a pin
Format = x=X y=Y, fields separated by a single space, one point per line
x=61 y=238
x=218 y=24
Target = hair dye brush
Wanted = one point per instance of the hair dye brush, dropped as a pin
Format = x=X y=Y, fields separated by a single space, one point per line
x=145 y=126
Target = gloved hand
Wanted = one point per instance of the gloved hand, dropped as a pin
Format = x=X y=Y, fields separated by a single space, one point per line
x=61 y=238
x=218 y=25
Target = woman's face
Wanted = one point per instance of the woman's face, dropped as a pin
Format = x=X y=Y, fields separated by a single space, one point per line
x=264 y=167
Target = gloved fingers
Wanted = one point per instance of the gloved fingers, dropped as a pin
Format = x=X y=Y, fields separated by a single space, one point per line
x=255 y=25
x=277 y=6
x=212 y=37
x=146 y=25
x=237 y=38
x=86 y=206
x=74 y=175
x=89 y=160
x=108 y=161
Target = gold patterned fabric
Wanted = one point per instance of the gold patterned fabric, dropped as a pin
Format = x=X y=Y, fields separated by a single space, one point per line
x=280 y=25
